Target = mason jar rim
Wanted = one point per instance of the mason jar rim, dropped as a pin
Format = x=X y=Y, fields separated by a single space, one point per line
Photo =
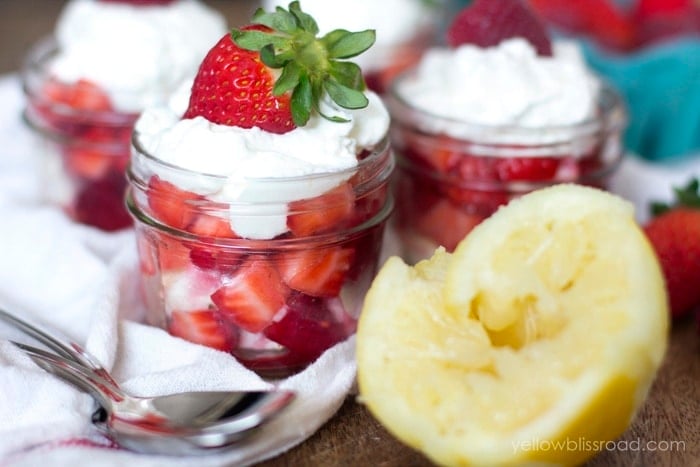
x=34 y=73
x=374 y=157
x=611 y=115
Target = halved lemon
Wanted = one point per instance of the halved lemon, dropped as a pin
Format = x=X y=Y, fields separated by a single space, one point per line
x=535 y=342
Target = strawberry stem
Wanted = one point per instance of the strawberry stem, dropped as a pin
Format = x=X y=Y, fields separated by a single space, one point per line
x=687 y=196
x=311 y=67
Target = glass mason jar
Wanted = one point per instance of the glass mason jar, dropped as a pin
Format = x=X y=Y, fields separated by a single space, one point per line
x=446 y=184
x=85 y=143
x=270 y=279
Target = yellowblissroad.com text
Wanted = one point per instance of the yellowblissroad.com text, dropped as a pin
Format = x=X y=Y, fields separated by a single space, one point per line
x=584 y=444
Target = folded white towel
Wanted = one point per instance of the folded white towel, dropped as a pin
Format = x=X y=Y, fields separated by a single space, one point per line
x=81 y=282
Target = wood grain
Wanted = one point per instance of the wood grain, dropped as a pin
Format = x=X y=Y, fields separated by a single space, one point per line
x=353 y=437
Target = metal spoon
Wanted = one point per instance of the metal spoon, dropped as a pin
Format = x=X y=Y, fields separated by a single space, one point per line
x=190 y=422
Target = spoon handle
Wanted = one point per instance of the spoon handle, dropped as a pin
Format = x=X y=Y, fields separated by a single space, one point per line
x=75 y=374
x=68 y=349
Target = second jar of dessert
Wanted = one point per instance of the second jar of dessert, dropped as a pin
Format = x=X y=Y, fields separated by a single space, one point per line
x=86 y=84
x=475 y=127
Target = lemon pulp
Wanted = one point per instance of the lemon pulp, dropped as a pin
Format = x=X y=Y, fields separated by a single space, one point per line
x=535 y=342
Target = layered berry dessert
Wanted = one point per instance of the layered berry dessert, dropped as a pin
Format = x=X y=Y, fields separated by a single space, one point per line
x=405 y=28
x=260 y=207
x=85 y=86
x=499 y=112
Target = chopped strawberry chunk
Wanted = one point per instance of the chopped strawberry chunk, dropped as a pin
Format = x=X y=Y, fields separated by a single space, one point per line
x=317 y=271
x=446 y=224
x=86 y=162
x=527 y=168
x=207 y=225
x=101 y=203
x=173 y=255
x=322 y=213
x=82 y=94
x=203 y=327
x=169 y=203
x=253 y=295
x=308 y=327
x=147 y=256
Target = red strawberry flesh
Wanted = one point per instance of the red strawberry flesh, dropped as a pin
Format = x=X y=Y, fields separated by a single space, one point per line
x=239 y=93
x=486 y=23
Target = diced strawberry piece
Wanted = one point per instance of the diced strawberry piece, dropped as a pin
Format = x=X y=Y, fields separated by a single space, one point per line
x=203 y=327
x=100 y=203
x=478 y=169
x=173 y=255
x=147 y=256
x=82 y=95
x=168 y=203
x=322 y=213
x=252 y=296
x=308 y=327
x=317 y=271
x=223 y=260
x=440 y=155
x=527 y=168
x=211 y=226
x=446 y=224
x=486 y=23
x=369 y=205
x=86 y=162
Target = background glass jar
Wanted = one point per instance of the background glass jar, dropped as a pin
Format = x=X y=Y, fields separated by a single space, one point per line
x=273 y=282
x=85 y=143
x=446 y=184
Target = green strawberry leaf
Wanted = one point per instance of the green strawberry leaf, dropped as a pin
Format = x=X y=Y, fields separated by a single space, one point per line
x=305 y=21
x=687 y=196
x=269 y=58
x=302 y=101
x=280 y=20
x=351 y=44
x=348 y=74
x=288 y=80
x=256 y=40
x=344 y=96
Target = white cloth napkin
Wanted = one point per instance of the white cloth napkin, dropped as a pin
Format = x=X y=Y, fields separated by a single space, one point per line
x=81 y=282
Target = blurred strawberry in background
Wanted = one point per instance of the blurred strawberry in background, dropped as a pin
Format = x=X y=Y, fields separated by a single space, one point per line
x=620 y=27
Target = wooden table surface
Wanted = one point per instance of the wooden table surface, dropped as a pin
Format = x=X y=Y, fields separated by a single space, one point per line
x=670 y=418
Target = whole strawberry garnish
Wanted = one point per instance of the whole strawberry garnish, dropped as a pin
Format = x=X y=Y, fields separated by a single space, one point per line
x=272 y=73
x=675 y=235
x=486 y=23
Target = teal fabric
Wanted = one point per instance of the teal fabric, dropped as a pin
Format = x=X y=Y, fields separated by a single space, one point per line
x=661 y=86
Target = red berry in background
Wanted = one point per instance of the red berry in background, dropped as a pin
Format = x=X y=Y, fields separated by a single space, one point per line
x=487 y=23
x=600 y=19
x=649 y=8
x=675 y=237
